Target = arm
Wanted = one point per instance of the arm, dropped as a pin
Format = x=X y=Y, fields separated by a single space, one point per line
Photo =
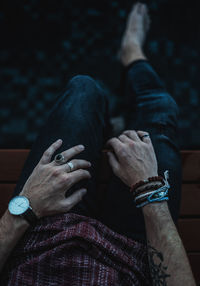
x=45 y=189
x=11 y=230
x=168 y=261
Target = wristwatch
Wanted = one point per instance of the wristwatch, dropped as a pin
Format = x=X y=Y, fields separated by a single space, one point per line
x=20 y=206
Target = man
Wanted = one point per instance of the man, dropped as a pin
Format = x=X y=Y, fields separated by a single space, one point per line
x=53 y=232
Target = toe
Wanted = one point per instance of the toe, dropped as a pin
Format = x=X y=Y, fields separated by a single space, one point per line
x=144 y=9
x=140 y=8
x=136 y=7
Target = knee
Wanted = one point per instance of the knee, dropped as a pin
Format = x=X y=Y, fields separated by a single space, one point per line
x=82 y=81
x=168 y=105
x=85 y=88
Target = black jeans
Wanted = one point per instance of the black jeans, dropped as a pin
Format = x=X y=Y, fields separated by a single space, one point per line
x=80 y=116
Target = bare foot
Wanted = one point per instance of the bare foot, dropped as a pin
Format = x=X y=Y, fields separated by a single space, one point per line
x=135 y=34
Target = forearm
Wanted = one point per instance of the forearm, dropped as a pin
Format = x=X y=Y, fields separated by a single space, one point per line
x=168 y=261
x=11 y=230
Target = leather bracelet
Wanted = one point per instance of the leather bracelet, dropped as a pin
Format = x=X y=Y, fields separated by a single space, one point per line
x=144 y=182
x=30 y=216
x=146 y=188
x=159 y=195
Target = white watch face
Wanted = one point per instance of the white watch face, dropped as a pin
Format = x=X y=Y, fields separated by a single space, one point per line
x=18 y=205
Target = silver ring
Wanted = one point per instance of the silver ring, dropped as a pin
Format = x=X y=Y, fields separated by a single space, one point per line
x=146 y=135
x=71 y=166
x=59 y=159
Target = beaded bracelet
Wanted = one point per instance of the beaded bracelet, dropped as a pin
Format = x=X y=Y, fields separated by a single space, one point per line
x=143 y=182
x=156 y=195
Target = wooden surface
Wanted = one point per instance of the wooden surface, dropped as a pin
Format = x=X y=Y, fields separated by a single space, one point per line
x=12 y=161
x=191 y=166
x=11 y=164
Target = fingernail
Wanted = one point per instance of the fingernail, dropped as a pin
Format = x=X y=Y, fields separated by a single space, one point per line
x=81 y=147
x=89 y=164
x=59 y=140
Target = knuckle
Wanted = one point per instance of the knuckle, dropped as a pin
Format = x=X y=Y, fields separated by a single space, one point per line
x=67 y=179
x=131 y=144
x=128 y=132
x=64 y=180
x=122 y=153
x=56 y=172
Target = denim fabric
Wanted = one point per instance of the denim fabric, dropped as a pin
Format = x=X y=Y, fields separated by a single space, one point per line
x=151 y=109
x=80 y=116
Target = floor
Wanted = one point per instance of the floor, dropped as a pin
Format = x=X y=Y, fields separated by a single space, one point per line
x=44 y=43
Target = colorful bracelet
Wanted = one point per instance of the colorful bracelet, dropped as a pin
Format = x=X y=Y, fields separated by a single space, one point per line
x=146 y=188
x=158 y=195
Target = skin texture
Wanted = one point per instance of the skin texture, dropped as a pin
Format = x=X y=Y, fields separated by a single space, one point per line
x=45 y=189
x=133 y=39
x=47 y=193
x=133 y=159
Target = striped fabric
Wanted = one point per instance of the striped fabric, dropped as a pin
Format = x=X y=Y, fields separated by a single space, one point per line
x=70 y=249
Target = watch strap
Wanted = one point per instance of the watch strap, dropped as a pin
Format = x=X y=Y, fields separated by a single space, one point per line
x=30 y=216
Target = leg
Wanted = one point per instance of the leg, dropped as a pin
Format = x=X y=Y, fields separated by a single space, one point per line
x=153 y=110
x=78 y=117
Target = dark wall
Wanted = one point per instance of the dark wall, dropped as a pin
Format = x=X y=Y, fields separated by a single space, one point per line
x=44 y=43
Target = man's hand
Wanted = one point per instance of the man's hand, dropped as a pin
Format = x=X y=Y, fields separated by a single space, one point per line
x=134 y=158
x=46 y=186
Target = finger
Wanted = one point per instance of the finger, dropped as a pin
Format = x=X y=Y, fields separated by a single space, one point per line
x=116 y=144
x=77 y=176
x=68 y=154
x=132 y=134
x=113 y=161
x=75 y=165
x=143 y=136
x=74 y=199
x=124 y=139
x=46 y=157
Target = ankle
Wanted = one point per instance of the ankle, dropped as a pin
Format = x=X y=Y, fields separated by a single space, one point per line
x=131 y=54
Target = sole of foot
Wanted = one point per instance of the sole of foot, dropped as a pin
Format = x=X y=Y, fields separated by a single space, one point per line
x=134 y=36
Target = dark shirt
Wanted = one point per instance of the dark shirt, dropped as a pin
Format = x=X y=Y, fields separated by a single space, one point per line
x=70 y=249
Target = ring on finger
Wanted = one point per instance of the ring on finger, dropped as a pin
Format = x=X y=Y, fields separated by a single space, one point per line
x=59 y=159
x=71 y=166
x=146 y=135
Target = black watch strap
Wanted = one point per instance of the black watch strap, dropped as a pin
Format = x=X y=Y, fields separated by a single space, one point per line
x=30 y=216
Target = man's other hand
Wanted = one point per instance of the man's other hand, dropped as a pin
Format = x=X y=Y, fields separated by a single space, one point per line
x=133 y=157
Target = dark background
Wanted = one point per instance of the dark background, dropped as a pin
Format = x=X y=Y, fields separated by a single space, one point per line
x=44 y=43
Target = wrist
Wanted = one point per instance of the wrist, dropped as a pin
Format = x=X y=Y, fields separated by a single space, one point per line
x=14 y=224
x=156 y=208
